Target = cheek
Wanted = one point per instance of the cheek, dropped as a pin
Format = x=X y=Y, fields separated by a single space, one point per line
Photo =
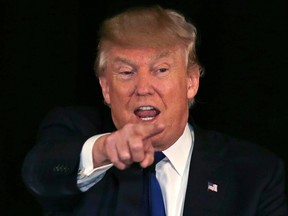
x=174 y=93
x=121 y=90
x=179 y=88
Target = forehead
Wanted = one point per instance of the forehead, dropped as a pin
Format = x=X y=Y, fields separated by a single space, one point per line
x=132 y=55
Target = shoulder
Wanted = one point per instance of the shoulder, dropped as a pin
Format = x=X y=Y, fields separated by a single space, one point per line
x=79 y=117
x=67 y=112
x=238 y=153
x=250 y=171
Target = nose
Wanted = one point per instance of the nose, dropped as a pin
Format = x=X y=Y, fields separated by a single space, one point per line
x=144 y=84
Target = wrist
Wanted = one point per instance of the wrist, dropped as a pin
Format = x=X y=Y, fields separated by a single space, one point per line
x=99 y=155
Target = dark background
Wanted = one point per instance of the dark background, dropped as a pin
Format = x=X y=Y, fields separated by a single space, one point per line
x=48 y=49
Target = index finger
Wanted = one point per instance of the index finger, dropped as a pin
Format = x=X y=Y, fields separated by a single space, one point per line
x=149 y=130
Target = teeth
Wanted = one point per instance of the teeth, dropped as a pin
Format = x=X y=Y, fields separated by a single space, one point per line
x=146 y=108
x=147 y=118
x=146 y=113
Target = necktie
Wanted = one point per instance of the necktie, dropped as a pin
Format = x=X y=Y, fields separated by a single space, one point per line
x=153 y=200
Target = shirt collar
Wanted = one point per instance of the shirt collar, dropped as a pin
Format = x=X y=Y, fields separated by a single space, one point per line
x=178 y=153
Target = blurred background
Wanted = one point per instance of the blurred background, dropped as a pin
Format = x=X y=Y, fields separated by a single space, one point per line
x=48 y=51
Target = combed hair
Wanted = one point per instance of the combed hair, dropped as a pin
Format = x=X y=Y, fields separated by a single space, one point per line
x=146 y=27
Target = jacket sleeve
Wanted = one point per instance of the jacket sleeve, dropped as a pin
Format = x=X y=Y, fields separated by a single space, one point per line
x=50 y=169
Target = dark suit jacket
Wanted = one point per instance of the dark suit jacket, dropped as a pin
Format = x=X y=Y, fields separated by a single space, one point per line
x=250 y=179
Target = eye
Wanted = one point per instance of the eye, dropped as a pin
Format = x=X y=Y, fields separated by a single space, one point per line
x=163 y=70
x=125 y=75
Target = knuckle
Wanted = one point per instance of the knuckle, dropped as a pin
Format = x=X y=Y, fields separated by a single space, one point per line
x=136 y=147
x=125 y=157
x=109 y=139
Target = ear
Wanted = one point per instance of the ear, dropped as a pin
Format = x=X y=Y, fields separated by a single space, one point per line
x=105 y=89
x=193 y=77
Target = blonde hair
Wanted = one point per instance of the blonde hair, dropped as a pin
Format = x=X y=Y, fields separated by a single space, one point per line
x=146 y=27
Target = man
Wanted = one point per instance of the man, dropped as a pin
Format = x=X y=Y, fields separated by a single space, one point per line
x=149 y=75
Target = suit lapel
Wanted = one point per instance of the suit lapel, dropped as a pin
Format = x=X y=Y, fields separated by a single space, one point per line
x=206 y=167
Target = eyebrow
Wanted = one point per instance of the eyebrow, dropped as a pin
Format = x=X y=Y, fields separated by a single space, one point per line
x=162 y=55
x=119 y=59
x=123 y=60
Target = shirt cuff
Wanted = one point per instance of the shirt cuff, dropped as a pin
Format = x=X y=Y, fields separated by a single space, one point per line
x=88 y=175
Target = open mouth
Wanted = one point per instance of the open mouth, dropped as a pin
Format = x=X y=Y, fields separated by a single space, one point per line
x=146 y=113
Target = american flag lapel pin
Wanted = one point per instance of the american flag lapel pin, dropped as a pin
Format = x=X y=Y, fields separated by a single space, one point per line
x=212 y=187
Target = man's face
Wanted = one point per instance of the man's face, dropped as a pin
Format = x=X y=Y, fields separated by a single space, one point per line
x=149 y=85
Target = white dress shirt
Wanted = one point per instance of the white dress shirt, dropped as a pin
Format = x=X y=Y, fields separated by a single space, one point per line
x=172 y=172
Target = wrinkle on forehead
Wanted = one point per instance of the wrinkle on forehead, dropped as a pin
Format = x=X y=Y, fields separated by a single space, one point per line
x=149 y=54
x=154 y=57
